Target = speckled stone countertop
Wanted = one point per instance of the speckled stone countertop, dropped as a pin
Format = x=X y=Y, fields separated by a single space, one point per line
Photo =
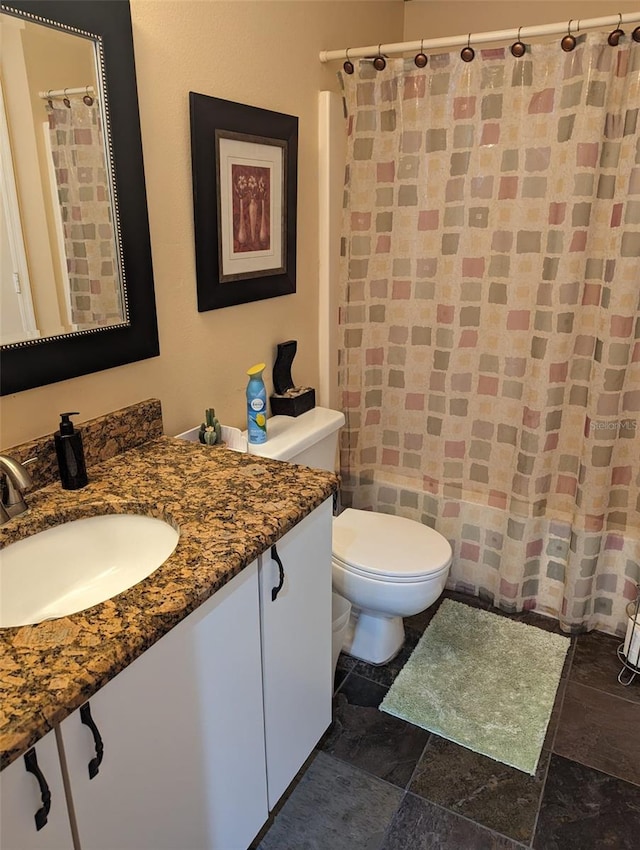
x=228 y=507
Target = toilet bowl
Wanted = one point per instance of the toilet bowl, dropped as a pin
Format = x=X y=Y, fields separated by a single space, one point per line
x=388 y=567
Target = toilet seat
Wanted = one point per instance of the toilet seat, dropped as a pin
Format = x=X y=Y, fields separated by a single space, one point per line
x=387 y=547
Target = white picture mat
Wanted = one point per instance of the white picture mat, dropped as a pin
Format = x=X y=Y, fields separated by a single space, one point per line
x=235 y=152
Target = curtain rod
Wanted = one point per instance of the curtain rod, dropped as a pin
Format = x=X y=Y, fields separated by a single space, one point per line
x=479 y=38
x=64 y=92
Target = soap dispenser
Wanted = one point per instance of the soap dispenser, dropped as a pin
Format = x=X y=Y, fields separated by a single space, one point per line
x=70 y=453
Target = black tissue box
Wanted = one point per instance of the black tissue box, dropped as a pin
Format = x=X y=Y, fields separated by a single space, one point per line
x=295 y=401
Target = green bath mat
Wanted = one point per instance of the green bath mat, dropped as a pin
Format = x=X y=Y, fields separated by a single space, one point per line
x=482 y=681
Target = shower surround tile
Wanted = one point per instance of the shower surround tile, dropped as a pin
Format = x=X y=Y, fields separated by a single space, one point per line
x=334 y=807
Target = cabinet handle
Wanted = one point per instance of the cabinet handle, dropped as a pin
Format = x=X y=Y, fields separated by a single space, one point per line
x=31 y=762
x=87 y=719
x=276 y=590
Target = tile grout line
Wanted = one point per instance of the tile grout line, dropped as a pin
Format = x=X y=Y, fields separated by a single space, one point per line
x=603 y=691
x=468 y=820
x=592 y=767
x=585 y=763
x=595 y=687
x=364 y=772
x=568 y=680
x=421 y=756
x=340 y=686
x=572 y=667
x=405 y=792
x=551 y=752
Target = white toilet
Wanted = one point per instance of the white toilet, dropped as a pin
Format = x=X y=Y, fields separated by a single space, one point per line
x=387 y=566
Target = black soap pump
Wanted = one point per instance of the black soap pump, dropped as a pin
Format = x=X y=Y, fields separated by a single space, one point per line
x=73 y=472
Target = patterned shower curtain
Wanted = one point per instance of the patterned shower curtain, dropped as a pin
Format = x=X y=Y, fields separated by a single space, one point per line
x=78 y=149
x=490 y=324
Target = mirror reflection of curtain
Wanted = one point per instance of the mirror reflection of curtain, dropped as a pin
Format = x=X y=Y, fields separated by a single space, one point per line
x=77 y=146
x=489 y=362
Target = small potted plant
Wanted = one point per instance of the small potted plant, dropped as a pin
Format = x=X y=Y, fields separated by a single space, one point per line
x=211 y=430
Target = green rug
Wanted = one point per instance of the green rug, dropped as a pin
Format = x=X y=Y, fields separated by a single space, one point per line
x=482 y=681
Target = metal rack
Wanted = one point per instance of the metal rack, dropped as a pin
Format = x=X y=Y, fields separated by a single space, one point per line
x=630 y=670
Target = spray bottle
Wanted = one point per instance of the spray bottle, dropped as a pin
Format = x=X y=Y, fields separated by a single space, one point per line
x=256 y=405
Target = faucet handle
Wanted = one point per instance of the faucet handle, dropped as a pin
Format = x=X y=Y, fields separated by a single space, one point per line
x=26 y=463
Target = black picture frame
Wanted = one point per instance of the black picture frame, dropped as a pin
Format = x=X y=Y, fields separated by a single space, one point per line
x=57 y=358
x=231 y=141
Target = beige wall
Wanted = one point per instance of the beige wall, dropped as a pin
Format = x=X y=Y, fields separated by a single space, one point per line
x=439 y=18
x=264 y=53
x=259 y=52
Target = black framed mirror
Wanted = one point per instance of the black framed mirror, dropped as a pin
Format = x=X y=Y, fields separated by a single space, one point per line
x=38 y=361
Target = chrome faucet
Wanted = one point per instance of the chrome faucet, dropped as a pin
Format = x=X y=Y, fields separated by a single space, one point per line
x=14 y=480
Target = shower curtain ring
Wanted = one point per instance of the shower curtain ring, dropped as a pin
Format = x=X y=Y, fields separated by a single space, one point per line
x=348 y=64
x=568 y=41
x=518 y=49
x=467 y=53
x=66 y=100
x=421 y=58
x=379 y=62
x=87 y=99
x=49 y=99
x=617 y=33
x=635 y=35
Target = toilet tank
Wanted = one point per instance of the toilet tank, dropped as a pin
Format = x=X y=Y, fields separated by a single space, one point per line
x=310 y=439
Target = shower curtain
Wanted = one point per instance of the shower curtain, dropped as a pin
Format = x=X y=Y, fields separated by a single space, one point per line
x=84 y=196
x=489 y=361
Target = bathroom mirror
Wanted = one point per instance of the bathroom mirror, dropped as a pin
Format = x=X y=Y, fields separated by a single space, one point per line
x=87 y=300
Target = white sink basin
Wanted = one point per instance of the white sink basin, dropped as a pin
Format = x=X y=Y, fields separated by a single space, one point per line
x=78 y=564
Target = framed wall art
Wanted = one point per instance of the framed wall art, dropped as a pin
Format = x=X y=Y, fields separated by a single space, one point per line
x=244 y=163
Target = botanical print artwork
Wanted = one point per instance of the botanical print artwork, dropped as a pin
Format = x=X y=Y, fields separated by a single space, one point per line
x=252 y=210
x=251 y=204
x=245 y=201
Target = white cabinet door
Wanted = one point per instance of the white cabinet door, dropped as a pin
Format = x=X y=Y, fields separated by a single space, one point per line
x=21 y=797
x=296 y=646
x=182 y=727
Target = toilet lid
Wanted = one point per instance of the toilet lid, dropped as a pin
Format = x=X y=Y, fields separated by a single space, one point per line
x=386 y=545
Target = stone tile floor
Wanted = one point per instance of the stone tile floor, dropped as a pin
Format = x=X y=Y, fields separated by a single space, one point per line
x=376 y=782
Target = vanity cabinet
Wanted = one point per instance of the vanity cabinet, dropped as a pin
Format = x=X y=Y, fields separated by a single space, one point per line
x=193 y=743
x=21 y=797
x=296 y=646
x=183 y=736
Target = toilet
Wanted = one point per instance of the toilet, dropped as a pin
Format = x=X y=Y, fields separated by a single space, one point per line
x=388 y=567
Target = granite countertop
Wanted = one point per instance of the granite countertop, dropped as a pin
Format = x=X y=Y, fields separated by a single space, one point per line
x=228 y=507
